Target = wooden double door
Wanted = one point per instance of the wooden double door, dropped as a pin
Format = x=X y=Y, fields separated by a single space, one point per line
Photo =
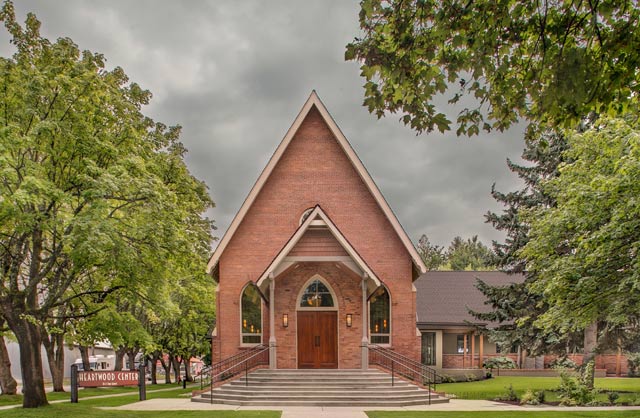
x=317 y=340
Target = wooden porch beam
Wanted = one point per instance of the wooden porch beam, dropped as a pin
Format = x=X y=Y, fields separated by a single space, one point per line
x=481 y=351
x=473 y=348
x=464 y=350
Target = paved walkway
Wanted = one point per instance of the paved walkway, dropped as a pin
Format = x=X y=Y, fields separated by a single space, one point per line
x=337 y=412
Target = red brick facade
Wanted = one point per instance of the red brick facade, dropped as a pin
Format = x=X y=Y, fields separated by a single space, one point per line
x=606 y=362
x=314 y=170
x=456 y=361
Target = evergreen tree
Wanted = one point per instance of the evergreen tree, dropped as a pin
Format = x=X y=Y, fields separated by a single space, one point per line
x=471 y=254
x=516 y=307
x=433 y=256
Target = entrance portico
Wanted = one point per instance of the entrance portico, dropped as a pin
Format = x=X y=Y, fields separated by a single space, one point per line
x=315 y=289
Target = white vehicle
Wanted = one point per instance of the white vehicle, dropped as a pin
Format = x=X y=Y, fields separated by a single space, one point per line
x=99 y=362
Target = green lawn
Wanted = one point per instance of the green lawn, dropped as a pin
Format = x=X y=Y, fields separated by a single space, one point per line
x=88 y=392
x=491 y=388
x=86 y=411
x=87 y=408
x=504 y=414
x=10 y=399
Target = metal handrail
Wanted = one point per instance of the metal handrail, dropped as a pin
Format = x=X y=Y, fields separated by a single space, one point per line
x=256 y=356
x=408 y=361
x=208 y=373
x=404 y=367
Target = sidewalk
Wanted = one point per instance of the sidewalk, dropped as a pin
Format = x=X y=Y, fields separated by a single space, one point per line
x=355 y=412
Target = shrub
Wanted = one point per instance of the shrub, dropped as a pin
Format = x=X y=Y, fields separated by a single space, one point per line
x=499 y=363
x=510 y=395
x=612 y=397
x=529 y=398
x=445 y=378
x=633 y=362
x=488 y=375
x=574 y=391
x=541 y=396
x=470 y=377
x=563 y=363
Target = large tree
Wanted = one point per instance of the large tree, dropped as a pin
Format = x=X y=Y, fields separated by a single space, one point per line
x=515 y=307
x=547 y=61
x=584 y=250
x=94 y=196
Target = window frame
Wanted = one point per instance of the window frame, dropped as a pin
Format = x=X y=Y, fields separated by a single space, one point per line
x=380 y=334
x=305 y=215
x=460 y=340
x=244 y=334
x=316 y=308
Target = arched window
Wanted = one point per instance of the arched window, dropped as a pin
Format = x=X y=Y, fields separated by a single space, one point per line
x=251 y=313
x=380 y=316
x=305 y=215
x=316 y=295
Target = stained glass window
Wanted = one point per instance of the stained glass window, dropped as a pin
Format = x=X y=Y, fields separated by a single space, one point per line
x=316 y=295
x=380 y=316
x=251 y=308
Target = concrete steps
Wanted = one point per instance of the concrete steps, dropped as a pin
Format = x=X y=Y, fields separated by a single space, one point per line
x=319 y=388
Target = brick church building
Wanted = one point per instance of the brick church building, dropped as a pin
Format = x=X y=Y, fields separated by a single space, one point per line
x=315 y=265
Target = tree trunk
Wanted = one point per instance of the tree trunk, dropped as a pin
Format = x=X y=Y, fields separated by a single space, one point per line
x=590 y=345
x=29 y=340
x=54 y=347
x=131 y=355
x=167 y=368
x=187 y=370
x=519 y=357
x=154 y=363
x=176 y=367
x=84 y=354
x=119 y=358
x=7 y=383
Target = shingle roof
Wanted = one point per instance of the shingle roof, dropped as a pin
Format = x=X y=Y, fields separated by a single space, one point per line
x=443 y=297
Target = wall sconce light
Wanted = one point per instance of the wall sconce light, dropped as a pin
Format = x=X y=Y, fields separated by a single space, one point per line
x=349 y=320
x=285 y=320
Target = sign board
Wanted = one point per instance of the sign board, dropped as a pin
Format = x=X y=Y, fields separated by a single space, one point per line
x=108 y=378
x=101 y=378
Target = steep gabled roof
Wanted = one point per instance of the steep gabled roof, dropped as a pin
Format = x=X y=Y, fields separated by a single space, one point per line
x=314 y=101
x=317 y=218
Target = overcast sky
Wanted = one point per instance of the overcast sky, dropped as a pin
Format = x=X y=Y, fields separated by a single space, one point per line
x=235 y=74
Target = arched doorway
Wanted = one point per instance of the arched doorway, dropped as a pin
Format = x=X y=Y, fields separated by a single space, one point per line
x=317 y=325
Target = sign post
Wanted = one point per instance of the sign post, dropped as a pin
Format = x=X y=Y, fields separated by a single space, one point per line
x=109 y=378
x=74 y=383
x=142 y=383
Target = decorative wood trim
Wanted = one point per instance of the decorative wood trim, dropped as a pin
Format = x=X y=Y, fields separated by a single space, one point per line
x=317 y=213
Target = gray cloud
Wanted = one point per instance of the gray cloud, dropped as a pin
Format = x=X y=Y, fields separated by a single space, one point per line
x=235 y=74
